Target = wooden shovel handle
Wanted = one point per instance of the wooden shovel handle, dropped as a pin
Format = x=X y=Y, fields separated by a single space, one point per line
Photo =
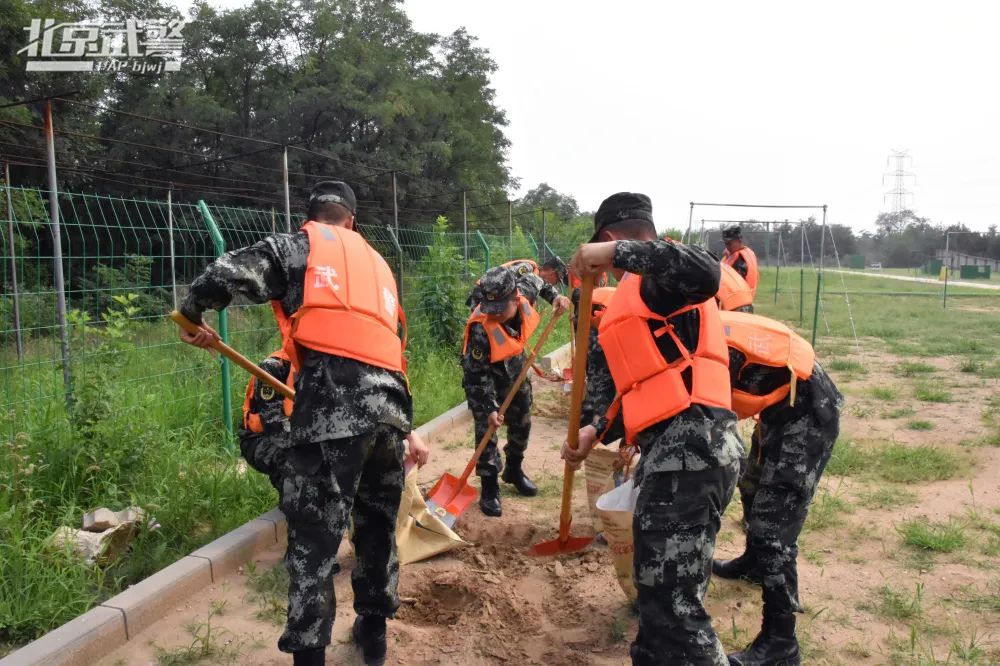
x=576 y=401
x=234 y=356
x=488 y=435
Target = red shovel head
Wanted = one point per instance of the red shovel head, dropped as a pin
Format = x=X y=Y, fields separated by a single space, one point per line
x=557 y=547
x=449 y=498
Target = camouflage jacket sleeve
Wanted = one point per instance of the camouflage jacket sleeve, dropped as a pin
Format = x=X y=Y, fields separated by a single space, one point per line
x=547 y=291
x=530 y=286
x=673 y=275
x=477 y=377
x=255 y=272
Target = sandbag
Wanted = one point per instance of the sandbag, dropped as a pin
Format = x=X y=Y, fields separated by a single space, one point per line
x=419 y=533
x=599 y=471
x=616 y=509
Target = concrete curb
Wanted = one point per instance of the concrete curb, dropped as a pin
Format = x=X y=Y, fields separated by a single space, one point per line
x=105 y=628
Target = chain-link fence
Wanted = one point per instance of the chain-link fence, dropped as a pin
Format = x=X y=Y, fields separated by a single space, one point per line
x=127 y=262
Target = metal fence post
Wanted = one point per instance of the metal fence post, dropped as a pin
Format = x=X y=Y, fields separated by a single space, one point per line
x=288 y=200
x=170 y=234
x=486 y=250
x=395 y=204
x=531 y=239
x=510 y=223
x=465 y=232
x=819 y=275
x=802 y=271
x=690 y=220
x=399 y=261
x=57 y=265
x=220 y=249
x=543 y=235
x=18 y=340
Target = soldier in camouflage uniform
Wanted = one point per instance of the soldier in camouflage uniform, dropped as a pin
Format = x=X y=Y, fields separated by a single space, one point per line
x=345 y=458
x=487 y=383
x=690 y=461
x=790 y=448
x=263 y=443
x=530 y=284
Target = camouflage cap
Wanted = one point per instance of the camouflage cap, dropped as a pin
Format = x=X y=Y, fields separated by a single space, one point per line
x=498 y=286
x=732 y=233
x=334 y=191
x=559 y=266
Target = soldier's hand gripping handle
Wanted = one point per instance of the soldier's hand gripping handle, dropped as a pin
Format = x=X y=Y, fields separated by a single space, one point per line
x=199 y=333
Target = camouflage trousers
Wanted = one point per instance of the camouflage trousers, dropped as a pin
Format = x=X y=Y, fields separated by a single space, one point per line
x=744 y=308
x=677 y=517
x=517 y=420
x=324 y=486
x=784 y=467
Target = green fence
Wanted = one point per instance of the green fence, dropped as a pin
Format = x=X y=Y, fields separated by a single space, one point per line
x=129 y=261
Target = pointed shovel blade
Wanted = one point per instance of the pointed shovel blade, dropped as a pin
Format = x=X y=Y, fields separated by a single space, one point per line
x=557 y=547
x=449 y=498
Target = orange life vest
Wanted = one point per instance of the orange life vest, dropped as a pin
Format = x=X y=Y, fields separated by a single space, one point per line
x=753 y=273
x=502 y=344
x=770 y=343
x=734 y=292
x=651 y=389
x=599 y=301
x=350 y=306
x=251 y=419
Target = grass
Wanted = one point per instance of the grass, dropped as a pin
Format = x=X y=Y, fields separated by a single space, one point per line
x=899 y=413
x=928 y=393
x=886 y=497
x=908 y=464
x=847 y=365
x=848 y=459
x=269 y=591
x=827 y=510
x=887 y=393
x=938 y=537
x=913 y=368
x=919 y=424
x=209 y=644
x=898 y=604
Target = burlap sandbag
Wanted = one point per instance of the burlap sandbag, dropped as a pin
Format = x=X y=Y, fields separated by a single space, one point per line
x=599 y=470
x=419 y=533
x=616 y=509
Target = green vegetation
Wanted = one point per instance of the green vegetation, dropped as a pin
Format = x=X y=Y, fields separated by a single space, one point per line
x=886 y=497
x=827 y=510
x=269 y=591
x=919 y=424
x=899 y=604
x=906 y=464
x=933 y=536
x=847 y=365
x=885 y=393
x=913 y=368
x=209 y=643
x=848 y=459
x=928 y=393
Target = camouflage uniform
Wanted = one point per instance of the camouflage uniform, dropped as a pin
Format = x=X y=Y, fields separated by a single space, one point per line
x=345 y=458
x=486 y=385
x=265 y=451
x=790 y=448
x=686 y=475
x=530 y=285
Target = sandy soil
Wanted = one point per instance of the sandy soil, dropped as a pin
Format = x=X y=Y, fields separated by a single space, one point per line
x=490 y=603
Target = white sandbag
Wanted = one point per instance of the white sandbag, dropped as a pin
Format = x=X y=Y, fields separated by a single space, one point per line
x=616 y=509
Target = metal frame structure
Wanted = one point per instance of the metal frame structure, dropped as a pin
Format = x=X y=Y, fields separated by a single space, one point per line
x=819 y=271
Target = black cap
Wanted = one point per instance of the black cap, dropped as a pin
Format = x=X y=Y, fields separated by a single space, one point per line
x=732 y=233
x=334 y=191
x=496 y=288
x=622 y=206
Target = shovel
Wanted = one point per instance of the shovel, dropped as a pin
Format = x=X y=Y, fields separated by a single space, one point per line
x=565 y=543
x=236 y=357
x=451 y=496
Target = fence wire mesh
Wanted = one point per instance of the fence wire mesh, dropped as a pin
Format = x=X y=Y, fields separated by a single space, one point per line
x=127 y=262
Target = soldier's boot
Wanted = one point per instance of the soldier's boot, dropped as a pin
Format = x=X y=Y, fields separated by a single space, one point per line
x=775 y=645
x=489 y=499
x=311 y=657
x=514 y=475
x=369 y=634
x=743 y=567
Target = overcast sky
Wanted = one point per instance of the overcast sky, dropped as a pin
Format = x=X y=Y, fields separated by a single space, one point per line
x=747 y=102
